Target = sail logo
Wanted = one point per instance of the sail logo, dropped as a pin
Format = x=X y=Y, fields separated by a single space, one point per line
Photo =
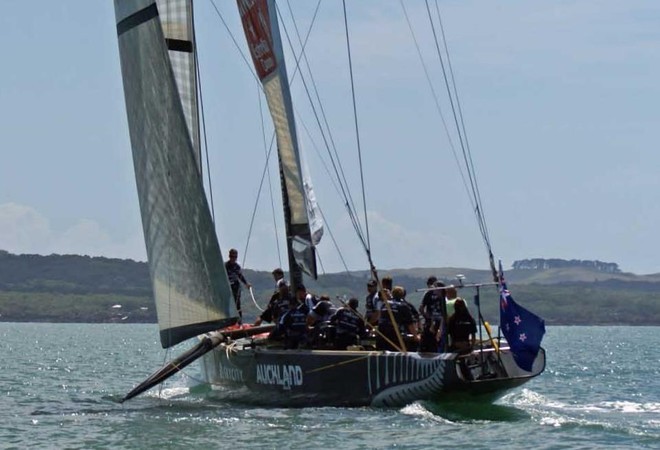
x=255 y=16
x=230 y=373
x=275 y=374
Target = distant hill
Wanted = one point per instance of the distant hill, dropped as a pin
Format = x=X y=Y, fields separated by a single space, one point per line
x=73 y=288
x=73 y=274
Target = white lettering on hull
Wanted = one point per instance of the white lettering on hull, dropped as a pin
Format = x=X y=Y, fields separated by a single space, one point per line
x=286 y=376
x=230 y=373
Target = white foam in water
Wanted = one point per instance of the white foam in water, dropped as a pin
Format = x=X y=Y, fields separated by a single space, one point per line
x=606 y=414
x=168 y=393
x=416 y=409
x=553 y=421
x=523 y=398
x=632 y=407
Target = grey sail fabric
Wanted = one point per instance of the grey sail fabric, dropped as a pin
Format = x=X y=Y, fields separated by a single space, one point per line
x=176 y=21
x=190 y=283
x=313 y=210
x=259 y=18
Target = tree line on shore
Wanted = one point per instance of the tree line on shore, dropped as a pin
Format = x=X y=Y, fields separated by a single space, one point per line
x=73 y=288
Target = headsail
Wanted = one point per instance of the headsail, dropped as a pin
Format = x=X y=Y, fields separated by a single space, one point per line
x=190 y=284
x=261 y=28
x=176 y=21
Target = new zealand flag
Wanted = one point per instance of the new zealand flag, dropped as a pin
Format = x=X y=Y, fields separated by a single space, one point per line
x=522 y=329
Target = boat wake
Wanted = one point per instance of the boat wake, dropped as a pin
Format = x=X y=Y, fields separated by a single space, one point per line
x=474 y=411
x=618 y=417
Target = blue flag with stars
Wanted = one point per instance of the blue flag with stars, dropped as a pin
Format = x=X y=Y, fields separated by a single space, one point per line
x=522 y=329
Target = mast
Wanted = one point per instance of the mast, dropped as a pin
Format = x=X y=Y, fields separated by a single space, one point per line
x=295 y=271
x=259 y=18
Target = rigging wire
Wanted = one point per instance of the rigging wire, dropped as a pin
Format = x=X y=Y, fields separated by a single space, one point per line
x=346 y=194
x=357 y=135
x=334 y=183
x=474 y=192
x=475 y=206
x=233 y=39
x=467 y=143
x=334 y=241
x=267 y=150
x=338 y=169
x=436 y=100
x=318 y=153
x=202 y=115
x=266 y=171
x=348 y=201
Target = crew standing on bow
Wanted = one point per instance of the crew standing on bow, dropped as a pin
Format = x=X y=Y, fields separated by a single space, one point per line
x=235 y=275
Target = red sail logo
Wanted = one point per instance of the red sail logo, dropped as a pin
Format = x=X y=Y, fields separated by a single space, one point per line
x=256 y=24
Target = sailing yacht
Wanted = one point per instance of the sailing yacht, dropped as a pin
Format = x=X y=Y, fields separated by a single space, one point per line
x=190 y=285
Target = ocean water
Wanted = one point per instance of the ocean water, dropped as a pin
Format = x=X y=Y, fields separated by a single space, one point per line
x=60 y=383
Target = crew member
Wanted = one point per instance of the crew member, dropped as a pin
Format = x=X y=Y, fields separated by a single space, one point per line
x=462 y=328
x=433 y=309
x=403 y=319
x=348 y=324
x=235 y=275
x=305 y=297
x=278 y=304
x=293 y=324
x=370 y=314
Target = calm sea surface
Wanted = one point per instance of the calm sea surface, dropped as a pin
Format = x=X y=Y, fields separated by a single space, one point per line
x=60 y=384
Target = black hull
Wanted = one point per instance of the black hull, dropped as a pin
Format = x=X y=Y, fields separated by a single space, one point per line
x=360 y=378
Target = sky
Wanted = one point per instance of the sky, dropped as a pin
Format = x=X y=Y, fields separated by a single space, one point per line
x=561 y=103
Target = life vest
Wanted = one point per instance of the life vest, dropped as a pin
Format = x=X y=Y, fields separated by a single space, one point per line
x=370 y=303
x=279 y=306
x=311 y=301
x=347 y=322
x=434 y=306
x=400 y=311
x=461 y=328
x=294 y=322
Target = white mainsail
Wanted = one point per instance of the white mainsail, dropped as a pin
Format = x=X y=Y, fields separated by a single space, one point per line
x=190 y=283
x=261 y=28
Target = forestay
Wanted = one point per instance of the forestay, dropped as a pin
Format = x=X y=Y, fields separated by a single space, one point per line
x=190 y=284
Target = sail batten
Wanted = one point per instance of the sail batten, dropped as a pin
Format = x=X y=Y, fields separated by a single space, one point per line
x=259 y=18
x=137 y=18
x=179 y=45
x=190 y=284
